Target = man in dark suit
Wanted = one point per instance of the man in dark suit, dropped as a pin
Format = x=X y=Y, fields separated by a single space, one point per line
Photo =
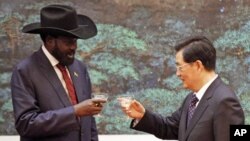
x=207 y=112
x=51 y=91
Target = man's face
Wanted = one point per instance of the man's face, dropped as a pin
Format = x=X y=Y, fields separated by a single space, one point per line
x=186 y=72
x=64 y=49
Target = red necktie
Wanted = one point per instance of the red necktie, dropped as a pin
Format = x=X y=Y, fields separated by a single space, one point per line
x=69 y=85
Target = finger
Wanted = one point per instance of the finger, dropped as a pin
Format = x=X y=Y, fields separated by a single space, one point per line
x=137 y=104
x=98 y=104
x=125 y=110
x=128 y=112
x=96 y=110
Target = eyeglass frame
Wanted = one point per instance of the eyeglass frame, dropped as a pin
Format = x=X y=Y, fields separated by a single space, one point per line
x=180 y=68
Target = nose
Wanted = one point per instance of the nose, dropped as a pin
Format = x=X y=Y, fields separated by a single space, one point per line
x=178 y=74
x=74 y=46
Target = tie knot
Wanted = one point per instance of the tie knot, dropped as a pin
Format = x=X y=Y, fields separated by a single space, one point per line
x=194 y=99
x=61 y=67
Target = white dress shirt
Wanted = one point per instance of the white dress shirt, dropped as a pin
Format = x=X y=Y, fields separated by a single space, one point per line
x=54 y=62
x=203 y=89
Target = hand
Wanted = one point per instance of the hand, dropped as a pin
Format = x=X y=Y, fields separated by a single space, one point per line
x=135 y=110
x=89 y=107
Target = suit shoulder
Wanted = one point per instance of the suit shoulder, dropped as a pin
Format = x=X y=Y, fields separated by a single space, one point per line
x=80 y=64
x=26 y=63
x=224 y=91
x=224 y=96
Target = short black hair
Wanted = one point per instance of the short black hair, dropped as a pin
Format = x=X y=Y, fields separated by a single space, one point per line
x=198 y=48
x=44 y=35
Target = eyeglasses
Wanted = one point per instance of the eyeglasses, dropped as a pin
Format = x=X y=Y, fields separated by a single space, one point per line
x=181 y=67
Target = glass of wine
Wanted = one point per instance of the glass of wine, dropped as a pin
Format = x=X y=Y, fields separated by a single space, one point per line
x=100 y=96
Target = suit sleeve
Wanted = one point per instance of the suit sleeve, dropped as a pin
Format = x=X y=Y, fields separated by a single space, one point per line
x=164 y=128
x=30 y=121
x=229 y=112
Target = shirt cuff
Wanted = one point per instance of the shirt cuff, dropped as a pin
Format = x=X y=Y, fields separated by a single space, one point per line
x=135 y=122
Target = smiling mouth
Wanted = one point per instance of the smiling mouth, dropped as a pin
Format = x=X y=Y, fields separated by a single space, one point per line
x=70 y=55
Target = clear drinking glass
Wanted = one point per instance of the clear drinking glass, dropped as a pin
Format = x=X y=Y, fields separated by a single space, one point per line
x=100 y=96
x=125 y=101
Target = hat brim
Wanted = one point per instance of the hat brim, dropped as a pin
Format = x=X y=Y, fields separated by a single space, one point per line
x=86 y=29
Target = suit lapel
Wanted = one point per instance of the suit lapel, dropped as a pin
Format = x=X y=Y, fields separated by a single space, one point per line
x=202 y=106
x=78 y=82
x=49 y=72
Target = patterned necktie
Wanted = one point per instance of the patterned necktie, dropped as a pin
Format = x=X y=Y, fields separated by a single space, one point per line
x=69 y=85
x=191 y=108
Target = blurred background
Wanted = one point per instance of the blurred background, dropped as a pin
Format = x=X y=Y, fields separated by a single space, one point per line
x=133 y=52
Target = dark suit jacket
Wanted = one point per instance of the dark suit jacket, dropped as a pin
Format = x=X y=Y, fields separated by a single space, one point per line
x=218 y=108
x=42 y=109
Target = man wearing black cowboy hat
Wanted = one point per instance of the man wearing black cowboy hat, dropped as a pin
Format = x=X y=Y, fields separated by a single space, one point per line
x=51 y=90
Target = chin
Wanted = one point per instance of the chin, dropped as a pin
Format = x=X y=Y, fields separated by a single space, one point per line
x=189 y=88
x=185 y=86
x=67 y=62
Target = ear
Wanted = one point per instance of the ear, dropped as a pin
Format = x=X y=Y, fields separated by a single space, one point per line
x=50 y=40
x=49 y=43
x=199 y=65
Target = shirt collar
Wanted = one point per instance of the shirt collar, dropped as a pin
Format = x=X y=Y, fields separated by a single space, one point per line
x=203 y=89
x=51 y=58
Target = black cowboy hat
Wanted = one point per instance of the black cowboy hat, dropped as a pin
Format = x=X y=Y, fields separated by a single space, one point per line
x=62 y=20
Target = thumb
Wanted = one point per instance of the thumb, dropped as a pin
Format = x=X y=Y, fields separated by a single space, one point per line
x=139 y=108
x=138 y=104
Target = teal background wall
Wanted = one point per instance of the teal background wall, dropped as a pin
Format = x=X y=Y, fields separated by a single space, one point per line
x=133 y=51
